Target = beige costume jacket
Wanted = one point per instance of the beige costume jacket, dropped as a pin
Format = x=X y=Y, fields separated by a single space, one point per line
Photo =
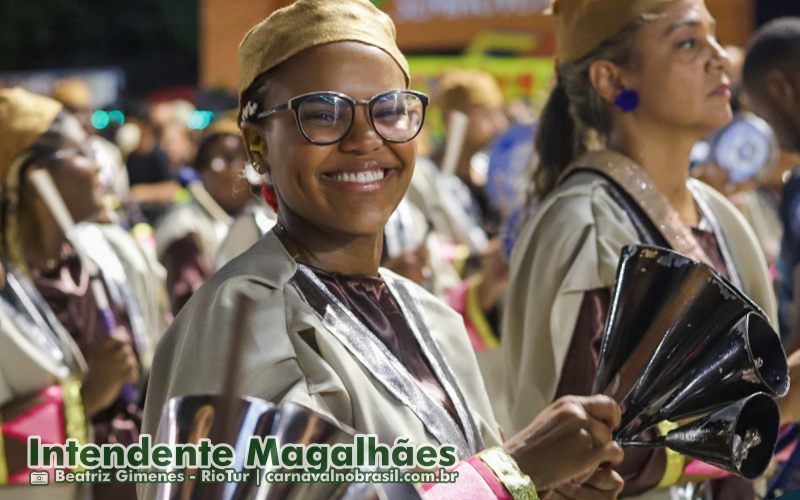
x=327 y=364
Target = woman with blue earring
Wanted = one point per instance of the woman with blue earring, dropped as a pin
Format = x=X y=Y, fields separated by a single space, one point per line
x=639 y=82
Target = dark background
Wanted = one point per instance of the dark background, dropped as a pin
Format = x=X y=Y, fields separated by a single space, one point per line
x=153 y=41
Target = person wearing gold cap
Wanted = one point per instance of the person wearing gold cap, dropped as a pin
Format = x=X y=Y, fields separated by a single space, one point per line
x=189 y=235
x=638 y=83
x=328 y=119
x=37 y=133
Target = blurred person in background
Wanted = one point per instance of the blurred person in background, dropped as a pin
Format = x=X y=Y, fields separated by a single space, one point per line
x=139 y=263
x=476 y=95
x=189 y=236
x=455 y=203
x=37 y=133
x=76 y=97
x=152 y=182
x=171 y=120
x=772 y=84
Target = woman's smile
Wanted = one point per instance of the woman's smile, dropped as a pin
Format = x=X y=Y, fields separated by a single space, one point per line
x=365 y=177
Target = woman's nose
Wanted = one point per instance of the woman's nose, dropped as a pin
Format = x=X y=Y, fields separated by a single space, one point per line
x=362 y=137
x=720 y=56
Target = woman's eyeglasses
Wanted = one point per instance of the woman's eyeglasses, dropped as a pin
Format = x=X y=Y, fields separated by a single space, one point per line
x=327 y=117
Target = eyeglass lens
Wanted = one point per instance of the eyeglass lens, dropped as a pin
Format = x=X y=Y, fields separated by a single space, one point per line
x=326 y=118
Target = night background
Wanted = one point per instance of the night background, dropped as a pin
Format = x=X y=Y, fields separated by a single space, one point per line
x=155 y=42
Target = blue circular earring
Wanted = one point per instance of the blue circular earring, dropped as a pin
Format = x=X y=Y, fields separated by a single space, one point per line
x=627 y=100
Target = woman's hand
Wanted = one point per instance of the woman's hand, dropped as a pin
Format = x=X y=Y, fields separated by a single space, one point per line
x=568 y=441
x=111 y=365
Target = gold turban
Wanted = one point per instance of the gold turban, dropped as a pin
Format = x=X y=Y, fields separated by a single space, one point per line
x=73 y=93
x=308 y=23
x=462 y=89
x=24 y=117
x=582 y=25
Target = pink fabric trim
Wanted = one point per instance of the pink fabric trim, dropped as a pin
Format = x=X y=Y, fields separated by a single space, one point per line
x=470 y=485
x=491 y=480
x=698 y=468
x=457 y=298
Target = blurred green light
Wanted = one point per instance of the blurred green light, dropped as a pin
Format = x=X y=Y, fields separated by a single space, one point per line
x=100 y=119
x=117 y=116
x=200 y=119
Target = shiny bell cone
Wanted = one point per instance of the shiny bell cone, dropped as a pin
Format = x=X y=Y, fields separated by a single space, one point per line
x=187 y=419
x=667 y=313
x=749 y=359
x=739 y=438
x=223 y=419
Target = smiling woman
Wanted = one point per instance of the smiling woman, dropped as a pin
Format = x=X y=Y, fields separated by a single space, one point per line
x=329 y=122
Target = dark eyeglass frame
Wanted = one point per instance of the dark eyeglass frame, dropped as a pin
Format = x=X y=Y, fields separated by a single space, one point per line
x=294 y=104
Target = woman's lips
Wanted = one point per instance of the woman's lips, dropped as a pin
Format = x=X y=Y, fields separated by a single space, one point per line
x=722 y=90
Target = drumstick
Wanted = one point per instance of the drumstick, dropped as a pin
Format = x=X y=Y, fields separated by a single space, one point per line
x=456 y=135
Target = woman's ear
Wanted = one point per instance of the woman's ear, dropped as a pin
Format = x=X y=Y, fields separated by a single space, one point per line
x=781 y=89
x=255 y=143
x=606 y=78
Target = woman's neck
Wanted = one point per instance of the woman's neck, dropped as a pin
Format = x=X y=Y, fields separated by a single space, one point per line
x=40 y=239
x=329 y=250
x=665 y=156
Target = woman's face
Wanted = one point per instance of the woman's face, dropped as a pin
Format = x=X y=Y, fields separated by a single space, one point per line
x=222 y=176
x=308 y=178
x=681 y=75
x=486 y=123
x=73 y=168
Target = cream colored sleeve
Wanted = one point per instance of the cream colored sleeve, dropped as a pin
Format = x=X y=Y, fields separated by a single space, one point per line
x=570 y=247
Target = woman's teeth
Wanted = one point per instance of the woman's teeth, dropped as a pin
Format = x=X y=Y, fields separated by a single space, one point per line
x=359 y=177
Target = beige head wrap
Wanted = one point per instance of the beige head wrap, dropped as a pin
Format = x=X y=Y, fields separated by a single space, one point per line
x=24 y=117
x=462 y=89
x=308 y=23
x=73 y=93
x=582 y=25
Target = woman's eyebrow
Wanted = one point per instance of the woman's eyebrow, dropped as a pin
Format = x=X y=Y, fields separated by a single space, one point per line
x=690 y=20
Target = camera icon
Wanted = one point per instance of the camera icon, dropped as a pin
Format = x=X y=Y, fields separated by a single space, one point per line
x=39 y=477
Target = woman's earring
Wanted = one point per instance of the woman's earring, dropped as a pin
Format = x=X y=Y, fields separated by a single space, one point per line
x=252 y=172
x=627 y=100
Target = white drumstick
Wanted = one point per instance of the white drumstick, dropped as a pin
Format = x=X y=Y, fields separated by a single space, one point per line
x=456 y=134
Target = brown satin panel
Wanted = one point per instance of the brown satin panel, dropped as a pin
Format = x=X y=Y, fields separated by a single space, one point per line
x=370 y=300
x=187 y=269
